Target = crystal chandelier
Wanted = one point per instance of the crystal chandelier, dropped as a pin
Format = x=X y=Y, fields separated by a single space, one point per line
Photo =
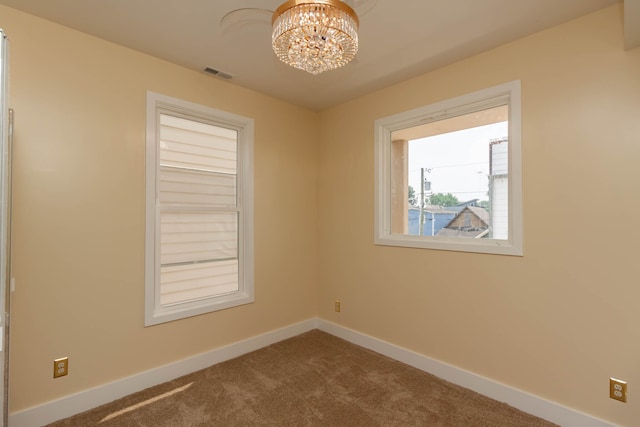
x=315 y=35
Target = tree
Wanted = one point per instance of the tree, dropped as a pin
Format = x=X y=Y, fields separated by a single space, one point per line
x=413 y=201
x=440 y=199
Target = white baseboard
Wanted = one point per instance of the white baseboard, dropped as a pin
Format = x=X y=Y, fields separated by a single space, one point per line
x=87 y=399
x=534 y=405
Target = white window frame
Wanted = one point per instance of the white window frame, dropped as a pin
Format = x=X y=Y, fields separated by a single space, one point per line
x=158 y=104
x=483 y=99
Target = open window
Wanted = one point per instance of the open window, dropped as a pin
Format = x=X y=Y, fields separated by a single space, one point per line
x=448 y=175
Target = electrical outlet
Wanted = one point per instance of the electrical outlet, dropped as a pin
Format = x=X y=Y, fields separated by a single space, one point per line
x=337 y=306
x=60 y=367
x=618 y=390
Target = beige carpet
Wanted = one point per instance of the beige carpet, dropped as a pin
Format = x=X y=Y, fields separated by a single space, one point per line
x=313 y=379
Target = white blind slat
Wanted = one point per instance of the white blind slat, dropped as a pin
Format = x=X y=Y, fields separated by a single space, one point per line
x=184 y=187
x=195 y=126
x=197 y=143
x=182 y=159
x=197 y=281
x=198 y=236
x=197 y=146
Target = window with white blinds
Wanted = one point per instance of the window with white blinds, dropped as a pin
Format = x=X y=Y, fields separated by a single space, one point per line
x=199 y=233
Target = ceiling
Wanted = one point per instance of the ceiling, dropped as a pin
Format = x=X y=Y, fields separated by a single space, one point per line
x=398 y=39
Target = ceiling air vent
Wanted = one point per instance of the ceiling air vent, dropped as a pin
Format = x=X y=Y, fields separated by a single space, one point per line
x=218 y=73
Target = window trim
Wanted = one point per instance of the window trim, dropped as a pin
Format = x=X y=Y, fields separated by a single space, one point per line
x=161 y=104
x=460 y=105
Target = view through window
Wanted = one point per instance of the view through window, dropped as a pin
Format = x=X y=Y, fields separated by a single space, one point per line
x=449 y=175
x=457 y=175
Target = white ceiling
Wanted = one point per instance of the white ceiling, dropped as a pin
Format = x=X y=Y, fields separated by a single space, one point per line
x=399 y=39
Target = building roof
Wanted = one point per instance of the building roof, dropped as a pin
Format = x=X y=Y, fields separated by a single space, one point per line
x=473 y=232
x=452 y=232
x=481 y=213
x=460 y=206
x=436 y=209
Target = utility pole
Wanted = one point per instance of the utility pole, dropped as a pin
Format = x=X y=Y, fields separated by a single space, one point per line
x=421 y=217
x=424 y=187
x=433 y=223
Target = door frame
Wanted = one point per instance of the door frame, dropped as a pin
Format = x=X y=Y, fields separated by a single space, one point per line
x=6 y=136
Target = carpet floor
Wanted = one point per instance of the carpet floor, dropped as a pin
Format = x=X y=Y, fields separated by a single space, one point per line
x=314 y=379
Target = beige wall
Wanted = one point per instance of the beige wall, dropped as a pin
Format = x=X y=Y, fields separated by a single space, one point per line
x=79 y=212
x=546 y=323
x=543 y=323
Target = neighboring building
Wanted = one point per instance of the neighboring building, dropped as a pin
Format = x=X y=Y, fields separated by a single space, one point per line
x=499 y=188
x=435 y=218
x=471 y=222
x=457 y=208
